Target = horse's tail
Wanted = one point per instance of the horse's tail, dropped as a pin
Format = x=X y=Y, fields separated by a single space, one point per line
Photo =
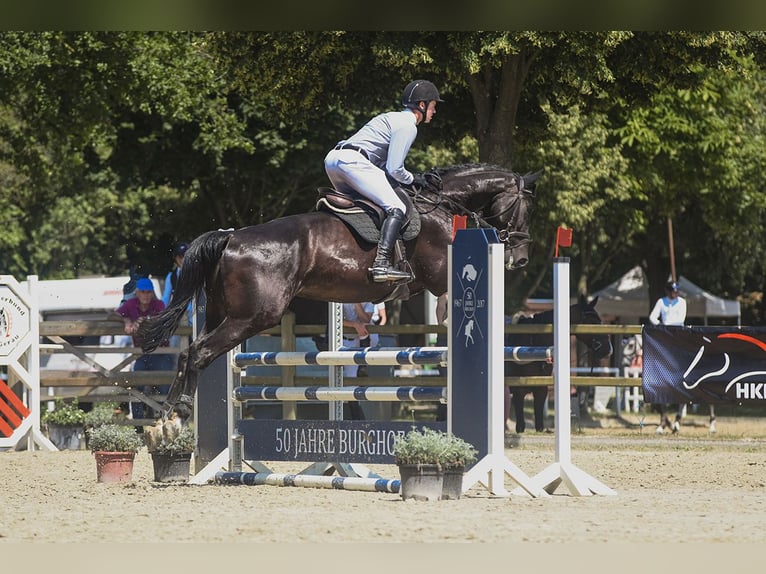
x=203 y=253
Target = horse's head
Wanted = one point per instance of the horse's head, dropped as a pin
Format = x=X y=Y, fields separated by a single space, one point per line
x=511 y=209
x=584 y=312
x=494 y=197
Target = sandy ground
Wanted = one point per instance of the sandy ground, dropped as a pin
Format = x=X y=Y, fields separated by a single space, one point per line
x=686 y=488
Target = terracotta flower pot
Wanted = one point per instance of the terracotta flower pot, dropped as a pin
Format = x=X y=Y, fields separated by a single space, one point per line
x=421 y=481
x=171 y=467
x=114 y=466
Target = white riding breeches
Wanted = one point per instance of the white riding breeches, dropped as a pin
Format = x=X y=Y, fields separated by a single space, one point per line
x=348 y=171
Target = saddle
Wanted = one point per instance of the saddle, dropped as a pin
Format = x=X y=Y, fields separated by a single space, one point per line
x=363 y=216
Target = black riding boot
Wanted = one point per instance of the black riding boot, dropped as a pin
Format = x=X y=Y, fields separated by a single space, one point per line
x=381 y=269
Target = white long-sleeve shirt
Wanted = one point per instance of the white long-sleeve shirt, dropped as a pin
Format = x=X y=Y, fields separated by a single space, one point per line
x=668 y=311
x=387 y=139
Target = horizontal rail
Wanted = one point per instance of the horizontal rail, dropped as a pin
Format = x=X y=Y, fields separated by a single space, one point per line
x=277 y=393
x=412 y=356
x=309 y=480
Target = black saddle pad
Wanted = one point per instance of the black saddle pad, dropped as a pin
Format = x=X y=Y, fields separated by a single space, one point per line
x=366 y=225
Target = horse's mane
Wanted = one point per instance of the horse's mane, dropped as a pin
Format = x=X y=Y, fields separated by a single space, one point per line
x=474 y=171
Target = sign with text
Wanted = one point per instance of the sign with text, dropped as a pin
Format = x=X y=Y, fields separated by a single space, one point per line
x=333 y=441
x=704 y=364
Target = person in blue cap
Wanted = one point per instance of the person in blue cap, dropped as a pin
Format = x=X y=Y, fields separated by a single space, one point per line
x=144 y=304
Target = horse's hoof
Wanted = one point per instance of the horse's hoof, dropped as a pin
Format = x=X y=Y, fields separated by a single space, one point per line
x=676 y=427
x=659 y=430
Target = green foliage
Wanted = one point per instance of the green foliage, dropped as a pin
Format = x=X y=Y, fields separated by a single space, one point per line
x=428 y=446
x=114 y=438
x=100 y=414
x=183 y=442
x=66 y=414
x=115 y=145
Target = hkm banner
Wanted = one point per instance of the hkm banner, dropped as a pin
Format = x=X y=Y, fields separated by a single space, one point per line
x=704 y=364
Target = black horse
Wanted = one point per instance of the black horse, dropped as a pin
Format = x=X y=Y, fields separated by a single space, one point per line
x=599 y=346
x=251 y=275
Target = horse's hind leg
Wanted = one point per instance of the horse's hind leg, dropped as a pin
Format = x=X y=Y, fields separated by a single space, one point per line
x=539 y=394
x=179 y=397
x=517 y=399
x=712 y=418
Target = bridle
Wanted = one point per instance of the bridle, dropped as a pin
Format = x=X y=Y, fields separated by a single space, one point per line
x=509 y=236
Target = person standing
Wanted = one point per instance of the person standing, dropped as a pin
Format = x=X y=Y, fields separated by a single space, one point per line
x=144 y=304
x=372 y=160
x=669 y=310
x=171 y=280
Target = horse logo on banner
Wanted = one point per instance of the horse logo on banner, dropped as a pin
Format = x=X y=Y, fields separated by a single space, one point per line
x=704 y=364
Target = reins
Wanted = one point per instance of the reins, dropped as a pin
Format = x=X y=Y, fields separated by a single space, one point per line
x=458 y=208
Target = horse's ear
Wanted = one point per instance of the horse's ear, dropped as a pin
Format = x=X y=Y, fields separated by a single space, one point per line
x=531 y=178
x=582 y=300
x=594 y=301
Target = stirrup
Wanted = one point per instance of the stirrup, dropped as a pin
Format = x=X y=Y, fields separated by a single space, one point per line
x=384 y=274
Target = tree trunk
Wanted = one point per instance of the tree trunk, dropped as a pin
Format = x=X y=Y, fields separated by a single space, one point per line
x=496 y=116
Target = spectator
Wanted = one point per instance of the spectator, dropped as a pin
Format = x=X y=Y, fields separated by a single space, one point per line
x=144 y=304
x=171 y=280
x=669 y=310
x=356 y=316
x=379 y=314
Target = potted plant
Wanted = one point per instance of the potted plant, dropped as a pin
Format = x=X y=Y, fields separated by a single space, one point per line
x=65 y=424
x=423 y=456
x=100 y=414
x=114 y=447
x=171 y=447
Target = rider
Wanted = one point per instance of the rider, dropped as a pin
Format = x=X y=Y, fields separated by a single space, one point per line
x=372 y=159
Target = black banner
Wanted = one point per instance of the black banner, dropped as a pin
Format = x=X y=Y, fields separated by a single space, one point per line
x=704 y=364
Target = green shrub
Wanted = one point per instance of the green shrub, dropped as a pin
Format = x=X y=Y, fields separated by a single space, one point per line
x=101 y=414
x=65 y=414
x=429 y=446
x=114 y=438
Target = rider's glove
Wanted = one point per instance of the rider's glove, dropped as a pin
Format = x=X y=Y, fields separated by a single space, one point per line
x=418 y=181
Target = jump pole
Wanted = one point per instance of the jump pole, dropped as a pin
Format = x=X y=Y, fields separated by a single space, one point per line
x=562 y=470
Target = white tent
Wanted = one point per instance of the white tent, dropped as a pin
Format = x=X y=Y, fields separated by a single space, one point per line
x=629 y=297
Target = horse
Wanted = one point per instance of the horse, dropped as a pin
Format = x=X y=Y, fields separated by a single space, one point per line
x=251 y=275
x=633 y=357
x=680 y=408
x=599 y=346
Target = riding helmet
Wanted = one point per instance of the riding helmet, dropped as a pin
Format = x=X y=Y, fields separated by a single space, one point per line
x=419 y=91
x=671 y=286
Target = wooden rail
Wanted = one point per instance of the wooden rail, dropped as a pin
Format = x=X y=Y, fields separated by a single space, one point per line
x=92 y=383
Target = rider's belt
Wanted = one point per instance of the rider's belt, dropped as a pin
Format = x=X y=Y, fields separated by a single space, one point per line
x=353 y=147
